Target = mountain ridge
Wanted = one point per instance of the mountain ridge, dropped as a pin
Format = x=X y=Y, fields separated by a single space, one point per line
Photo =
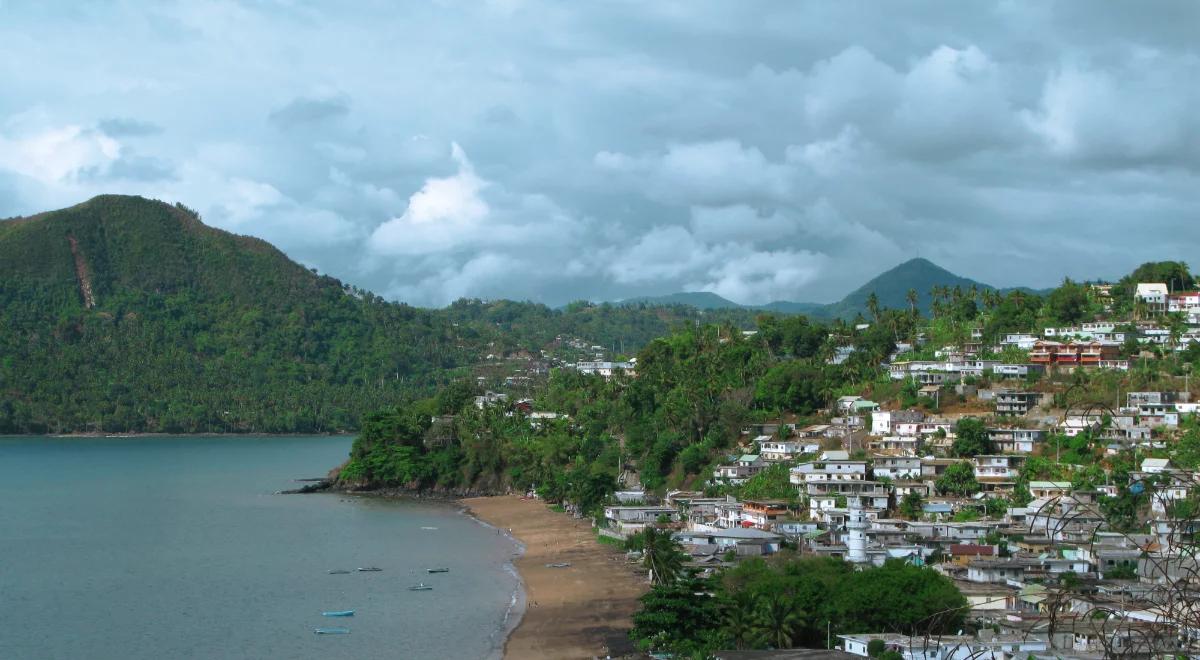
x=890 y=288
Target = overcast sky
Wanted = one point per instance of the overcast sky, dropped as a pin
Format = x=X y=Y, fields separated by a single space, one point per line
x=561 y=150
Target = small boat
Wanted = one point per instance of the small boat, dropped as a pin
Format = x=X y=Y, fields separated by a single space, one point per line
x=430 y=528
x=338 y=613
x=331 y=631
x=338 y=571
x=369 y=569
x=558 y=565
x=438 y=570
x=420 y=587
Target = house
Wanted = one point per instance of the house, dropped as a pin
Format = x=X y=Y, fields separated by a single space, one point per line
x=1013 y=403
x=626 y=521
x=897 y=468
x=1041 y=489
x=962 y=553
x=744 y=467
x=883 y=421
x=1015 y=440
x=743 y=541
x=827 y=470
x=774 y=450
x=607 y=369
x=763 y=514
x=1153 y=295
x=996 y=570
x=997 y=471
x=490 y=399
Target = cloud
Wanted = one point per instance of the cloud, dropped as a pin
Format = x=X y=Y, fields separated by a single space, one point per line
x=444 y=213
x=719 y=172
x=310 y=110
x=775 y=150
x=1122 y=117
x=126 y=127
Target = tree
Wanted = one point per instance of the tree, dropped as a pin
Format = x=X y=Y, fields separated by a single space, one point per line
x=875 y=647
x=958 y=479
x=911 y=297
x=972 y=438
x=778 y=620
x=674 y=618
x=661 y=556
x=912 y=505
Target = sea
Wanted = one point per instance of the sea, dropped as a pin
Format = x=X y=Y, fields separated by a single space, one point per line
x=179 y=547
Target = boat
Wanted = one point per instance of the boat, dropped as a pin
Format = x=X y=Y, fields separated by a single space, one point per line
x=338 y=571
x=338 y=613
x=368 y=569
x=331 y=631
x=420 y=587
x=438 y=570
x=430 y=528
x=558 y=565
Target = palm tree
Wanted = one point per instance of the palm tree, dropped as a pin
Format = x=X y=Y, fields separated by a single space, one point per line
x=911 y=297
x=661 y=556
x=778 y=619
x=738 y=620
x=873 y=306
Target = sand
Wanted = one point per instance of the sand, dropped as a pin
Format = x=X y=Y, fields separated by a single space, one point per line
x=582 y=611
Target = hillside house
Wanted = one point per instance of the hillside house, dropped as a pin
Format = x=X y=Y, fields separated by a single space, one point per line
x=897 y=468
x=744 y=467
x=1015 y=440
x=1015 y=403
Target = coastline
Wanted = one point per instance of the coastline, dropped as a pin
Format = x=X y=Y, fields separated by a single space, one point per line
x=580 y=611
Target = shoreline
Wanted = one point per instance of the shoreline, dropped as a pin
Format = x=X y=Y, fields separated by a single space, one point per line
x=581 y=611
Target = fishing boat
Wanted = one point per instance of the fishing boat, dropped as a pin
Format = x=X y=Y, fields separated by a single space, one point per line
x=338 y=613
x=331 y=631
x=338 y=571
x=420 y=587
x=438 y=570
x=368 y=569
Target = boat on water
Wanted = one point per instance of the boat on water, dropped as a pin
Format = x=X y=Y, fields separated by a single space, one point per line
x=338 y=571
x=338 y=613
x=430 y=528
x=438 y=570
x=331 y=631
x=369 y=569
x=420 y=587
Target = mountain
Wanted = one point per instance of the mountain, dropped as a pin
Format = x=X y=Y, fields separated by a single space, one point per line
x=697 y=299
x=124 y=314
x=890 y=287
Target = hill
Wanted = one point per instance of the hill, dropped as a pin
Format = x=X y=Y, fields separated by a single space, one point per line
x=697 y=299
x=890 y=287
x=124 y=314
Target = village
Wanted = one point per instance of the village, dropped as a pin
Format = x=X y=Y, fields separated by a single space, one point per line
x=1077 y=564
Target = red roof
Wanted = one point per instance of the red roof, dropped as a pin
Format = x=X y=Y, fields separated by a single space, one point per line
x=969 y=549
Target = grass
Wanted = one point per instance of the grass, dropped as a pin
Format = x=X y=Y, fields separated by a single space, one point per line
x=557 y=508
x=608 y=540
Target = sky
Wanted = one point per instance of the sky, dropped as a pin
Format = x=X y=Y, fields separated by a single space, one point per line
x=555 y=151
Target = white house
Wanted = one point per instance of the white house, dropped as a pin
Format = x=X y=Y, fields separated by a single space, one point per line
x=1153 y=294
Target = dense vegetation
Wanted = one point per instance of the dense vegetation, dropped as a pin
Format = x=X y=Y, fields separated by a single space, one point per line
x=186 y=328
x=795 y=602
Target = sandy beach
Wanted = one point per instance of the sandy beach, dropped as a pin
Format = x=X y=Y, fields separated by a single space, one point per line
x=582 y=611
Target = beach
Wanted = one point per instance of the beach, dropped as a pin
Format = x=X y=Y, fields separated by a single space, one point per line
x=580 y=611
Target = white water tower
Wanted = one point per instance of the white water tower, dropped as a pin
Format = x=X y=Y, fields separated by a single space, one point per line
x=856 y=527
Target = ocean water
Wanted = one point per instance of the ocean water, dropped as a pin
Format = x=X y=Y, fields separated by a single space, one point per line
x=179 y=548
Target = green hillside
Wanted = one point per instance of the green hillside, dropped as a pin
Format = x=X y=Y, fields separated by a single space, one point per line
x=127 y=314
x=891 y=288
x=192 y=329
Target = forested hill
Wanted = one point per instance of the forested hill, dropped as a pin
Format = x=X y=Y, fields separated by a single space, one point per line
x=126 y=314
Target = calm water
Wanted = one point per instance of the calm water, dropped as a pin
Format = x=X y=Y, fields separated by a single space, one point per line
x=177 y=548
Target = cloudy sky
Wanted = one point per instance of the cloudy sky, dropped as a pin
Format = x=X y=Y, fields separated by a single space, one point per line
x=561 y=150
